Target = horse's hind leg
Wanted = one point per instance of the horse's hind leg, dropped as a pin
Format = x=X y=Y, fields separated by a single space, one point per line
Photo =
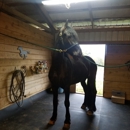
x=55 y=104
x=90 y=94
x=85 y=88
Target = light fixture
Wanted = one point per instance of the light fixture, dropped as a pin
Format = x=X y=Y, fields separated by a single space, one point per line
x=57 y=2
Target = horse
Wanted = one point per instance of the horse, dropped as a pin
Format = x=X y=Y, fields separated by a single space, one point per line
x=23 y=53
x=69 y=66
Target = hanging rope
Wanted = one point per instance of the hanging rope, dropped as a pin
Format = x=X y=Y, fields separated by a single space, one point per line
x=59 y=50
x=17 y=88
x=110 y=66
x=49 y=48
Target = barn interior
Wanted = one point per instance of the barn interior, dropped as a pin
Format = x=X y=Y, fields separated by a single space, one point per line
x=27 y=34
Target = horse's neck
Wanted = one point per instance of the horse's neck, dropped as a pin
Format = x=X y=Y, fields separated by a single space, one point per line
x=58 y=58
x=73 y=54
x=75 y=51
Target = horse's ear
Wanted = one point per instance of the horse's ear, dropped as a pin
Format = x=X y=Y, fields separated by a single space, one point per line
x=66 y=24
x=64 y=27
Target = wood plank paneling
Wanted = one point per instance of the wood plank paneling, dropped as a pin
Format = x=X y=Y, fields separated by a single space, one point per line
x=5 y=83
x=10 y=55
x=17 y=25
x=12 y=41
x=10 y=48
x=9 y=62
x=16 y=29
x=14 y=33
x=117 y=78
x=98 y=36
x=29 y=85
x=118 y=49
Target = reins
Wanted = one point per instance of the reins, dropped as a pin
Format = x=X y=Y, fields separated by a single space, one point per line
x=60 y=50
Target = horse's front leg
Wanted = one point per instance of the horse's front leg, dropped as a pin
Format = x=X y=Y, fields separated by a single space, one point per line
x=67 y=104
x=55 y=105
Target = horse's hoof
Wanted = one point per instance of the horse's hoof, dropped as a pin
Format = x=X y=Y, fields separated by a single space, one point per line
x=51 y=122
x=90 y=113
x=83 y=107
x=66 y=126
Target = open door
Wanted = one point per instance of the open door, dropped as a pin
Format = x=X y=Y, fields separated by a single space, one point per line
x=97 y=52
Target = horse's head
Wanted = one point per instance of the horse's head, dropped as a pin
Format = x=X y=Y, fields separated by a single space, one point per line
x=19 y=48
x=67 y=36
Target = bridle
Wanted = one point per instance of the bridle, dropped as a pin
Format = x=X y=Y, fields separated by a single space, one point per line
x=65 y=50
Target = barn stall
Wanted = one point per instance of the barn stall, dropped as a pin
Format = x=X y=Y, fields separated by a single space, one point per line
x=32 y=26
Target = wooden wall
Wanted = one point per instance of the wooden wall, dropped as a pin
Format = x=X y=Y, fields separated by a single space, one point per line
x=104 y=36
x=117 y=78
x=14 y=33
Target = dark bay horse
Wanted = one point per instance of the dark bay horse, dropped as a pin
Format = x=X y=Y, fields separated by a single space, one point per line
x=69 y=67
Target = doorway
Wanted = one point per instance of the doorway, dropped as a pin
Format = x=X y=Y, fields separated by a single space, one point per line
x=97 y=53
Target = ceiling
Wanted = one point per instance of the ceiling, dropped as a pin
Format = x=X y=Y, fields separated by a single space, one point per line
x=94 y=14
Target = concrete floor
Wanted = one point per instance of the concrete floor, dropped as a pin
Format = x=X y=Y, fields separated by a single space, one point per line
x=109 y=116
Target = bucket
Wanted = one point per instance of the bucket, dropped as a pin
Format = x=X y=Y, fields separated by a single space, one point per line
x=60 y=90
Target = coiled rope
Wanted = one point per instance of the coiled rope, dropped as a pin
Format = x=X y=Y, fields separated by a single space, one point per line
x=17 y=88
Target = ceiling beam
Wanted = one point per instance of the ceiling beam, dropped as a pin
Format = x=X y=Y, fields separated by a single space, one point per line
x=16 y=4
x=103 y=29
x=22 y=16
x=88 y=20
x=46 y=16
x=93 y=9
x=105 y=42
x=90 y=13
